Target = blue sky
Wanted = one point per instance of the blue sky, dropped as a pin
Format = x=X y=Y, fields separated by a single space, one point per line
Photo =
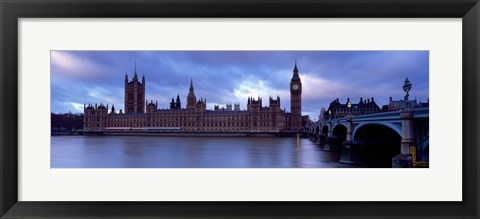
x=79 y=77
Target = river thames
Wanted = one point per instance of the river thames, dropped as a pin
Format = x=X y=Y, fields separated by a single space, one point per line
x=188 y=152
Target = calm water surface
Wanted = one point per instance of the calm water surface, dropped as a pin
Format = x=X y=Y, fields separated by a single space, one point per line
x=187 y=152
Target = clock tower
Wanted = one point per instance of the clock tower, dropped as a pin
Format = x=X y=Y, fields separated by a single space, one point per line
x=296 y=100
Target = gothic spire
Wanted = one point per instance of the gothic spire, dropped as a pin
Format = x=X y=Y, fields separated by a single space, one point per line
x=295 y=76
x=191 y=85
x=191 y=99
x=295 y=70
x=135 y=75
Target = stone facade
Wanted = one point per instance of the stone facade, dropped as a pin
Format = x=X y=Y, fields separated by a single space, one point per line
x=341 y=110
x=296 y=100
x=134 y=94
x=395 y=105
x=195 y=117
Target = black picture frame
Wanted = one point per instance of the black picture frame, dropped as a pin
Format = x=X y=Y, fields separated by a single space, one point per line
x=11 y=11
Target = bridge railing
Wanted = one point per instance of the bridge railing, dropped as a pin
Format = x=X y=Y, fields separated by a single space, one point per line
x=418 y=112
x=377 y=114
x=368 y=116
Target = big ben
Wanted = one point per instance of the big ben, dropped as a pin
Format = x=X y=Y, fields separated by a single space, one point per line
x=296 y=100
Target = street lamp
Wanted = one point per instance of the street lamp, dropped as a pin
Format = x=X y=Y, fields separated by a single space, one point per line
x=407 y=86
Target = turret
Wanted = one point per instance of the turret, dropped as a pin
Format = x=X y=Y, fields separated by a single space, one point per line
x=201 y=105
x=178 y=104
x=172 y=104
x=151 y=107
x=254 y=104
x=274 y=104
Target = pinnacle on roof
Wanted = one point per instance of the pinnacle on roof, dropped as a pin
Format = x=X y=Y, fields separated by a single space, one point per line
x=135 y=75
x=191 y=86
x=295 y=76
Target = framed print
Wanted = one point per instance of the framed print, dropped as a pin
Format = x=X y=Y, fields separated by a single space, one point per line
x=154 y=109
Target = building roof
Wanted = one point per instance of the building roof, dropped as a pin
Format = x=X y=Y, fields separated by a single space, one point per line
x=227 y=112
x=171 y=110
x=295 y=76
x=409 y=104
x=129 y=114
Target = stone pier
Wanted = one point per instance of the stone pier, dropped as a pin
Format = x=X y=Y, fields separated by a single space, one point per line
x=350 y=151
x=404 y=159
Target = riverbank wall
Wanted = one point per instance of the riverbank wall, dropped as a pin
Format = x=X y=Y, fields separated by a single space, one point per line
x=194 y=134
x=59 y=133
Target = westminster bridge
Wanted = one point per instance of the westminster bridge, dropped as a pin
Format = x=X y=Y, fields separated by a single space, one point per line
x=389 y=136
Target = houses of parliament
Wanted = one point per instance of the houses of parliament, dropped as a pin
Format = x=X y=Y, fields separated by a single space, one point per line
x=142 y=115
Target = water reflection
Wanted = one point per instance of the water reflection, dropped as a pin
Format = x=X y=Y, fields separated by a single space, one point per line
x=187 y=152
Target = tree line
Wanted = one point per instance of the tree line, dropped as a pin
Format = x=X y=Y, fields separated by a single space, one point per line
x=66 y=122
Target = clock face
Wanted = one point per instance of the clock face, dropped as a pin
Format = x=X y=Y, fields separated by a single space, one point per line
x=295 y=87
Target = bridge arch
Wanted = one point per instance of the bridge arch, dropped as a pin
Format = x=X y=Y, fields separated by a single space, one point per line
x=339 y=130
x=379 y=142
x=338 y=124
x=395 y=128
x=338 y=136
x=325 y=130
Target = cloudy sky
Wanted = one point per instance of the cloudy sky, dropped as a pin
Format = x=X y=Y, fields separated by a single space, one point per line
x=79 y=77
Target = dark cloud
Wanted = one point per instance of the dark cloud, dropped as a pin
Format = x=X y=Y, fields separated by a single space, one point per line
x=79 y=77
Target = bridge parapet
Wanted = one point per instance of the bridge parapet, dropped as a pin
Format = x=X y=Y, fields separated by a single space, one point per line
x=377 y=115
x=394 y=115
x=421 y=112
